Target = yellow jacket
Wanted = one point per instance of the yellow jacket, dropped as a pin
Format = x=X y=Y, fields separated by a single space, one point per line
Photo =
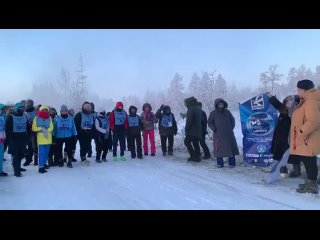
x=42 y=140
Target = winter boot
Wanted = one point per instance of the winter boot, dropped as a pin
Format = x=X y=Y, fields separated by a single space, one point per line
x=27 y=163
x=61 y=162
x=3 y=174
x=73 y=159
x=206 y=157
x=42 y=170
x=170 y=154
x=283 y=171
x=35 y=159
x=69 y=164
x=104 y=157
x=296 y=171
x=140 y=157
x=18 y=175
x=89 y=154
x=50 y=162
x=98 y=158
x=115 y=158
x=46 y=166
x=146 y=154
x=164 y=154
x=310 y=186
x=123 y=158
x=153 y=154
x=23 y=169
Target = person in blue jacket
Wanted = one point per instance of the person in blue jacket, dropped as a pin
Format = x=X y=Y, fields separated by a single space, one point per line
x=64 y=131
x=18 y=131
x=2 y=139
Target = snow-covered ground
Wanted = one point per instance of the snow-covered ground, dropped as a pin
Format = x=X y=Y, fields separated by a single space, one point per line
x=151 y=183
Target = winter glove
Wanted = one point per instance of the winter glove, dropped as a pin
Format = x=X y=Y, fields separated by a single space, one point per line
x=46 y=135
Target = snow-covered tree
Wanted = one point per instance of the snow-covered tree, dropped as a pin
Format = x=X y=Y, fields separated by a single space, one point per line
x=176 y=94
x=220 y=87
x=79 y=92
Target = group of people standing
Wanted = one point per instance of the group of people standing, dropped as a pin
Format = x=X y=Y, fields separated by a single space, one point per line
x=297 y=134
x=38 y=134
x=47 y=139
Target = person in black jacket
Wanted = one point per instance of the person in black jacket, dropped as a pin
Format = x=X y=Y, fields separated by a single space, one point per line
x=110 y=134
x=280 y=140
x=134 y=133
x=204 y=124
x=167 y=129
x=85 y=126
x=18 y=130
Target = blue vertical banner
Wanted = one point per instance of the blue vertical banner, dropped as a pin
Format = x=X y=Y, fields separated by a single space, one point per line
x=258 y=120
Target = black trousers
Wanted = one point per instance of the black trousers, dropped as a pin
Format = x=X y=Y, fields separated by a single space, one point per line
x=164 y=139
x=101 y=146
x=32 y=147
x=204 y=146
x=53 y=153
x=18 y=151
x=192 y=144
x=134 y=141
x=90 y=148
x=109 y=141
x=85 y=143
x=119 y=136
x=69 y=142
x=310 y=163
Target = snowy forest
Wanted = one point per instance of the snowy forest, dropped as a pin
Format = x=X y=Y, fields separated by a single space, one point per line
x=71 y=88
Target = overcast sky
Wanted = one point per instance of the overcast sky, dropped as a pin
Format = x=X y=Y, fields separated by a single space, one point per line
x=122 y=62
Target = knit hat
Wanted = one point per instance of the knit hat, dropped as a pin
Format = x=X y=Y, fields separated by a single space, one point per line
x=18 y=105
x=42 y=108
x=2 y=106
x=63 y=108
x=305 y=84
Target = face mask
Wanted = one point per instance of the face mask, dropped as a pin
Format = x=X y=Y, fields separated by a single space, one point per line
x=20 y=111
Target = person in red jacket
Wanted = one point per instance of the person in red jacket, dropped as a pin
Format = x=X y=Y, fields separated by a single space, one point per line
x=119 y=125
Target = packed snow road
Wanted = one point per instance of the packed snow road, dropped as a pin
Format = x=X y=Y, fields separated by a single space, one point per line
x=151 y=183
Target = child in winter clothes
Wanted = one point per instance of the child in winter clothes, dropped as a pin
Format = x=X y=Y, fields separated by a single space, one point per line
x=32 y=150
x=2 y=139
x=84 y=122
x=102 y=135
x=43 y=126
x=75 y=138
x=118 y=125
x=148 y=120
x=134 y=133
x=167 y=129
x=64 y=132
x=18 y=131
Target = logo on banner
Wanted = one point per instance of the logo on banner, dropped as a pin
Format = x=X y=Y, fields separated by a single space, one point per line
x=257 y=103
x=261 y=148
x=260 y=124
